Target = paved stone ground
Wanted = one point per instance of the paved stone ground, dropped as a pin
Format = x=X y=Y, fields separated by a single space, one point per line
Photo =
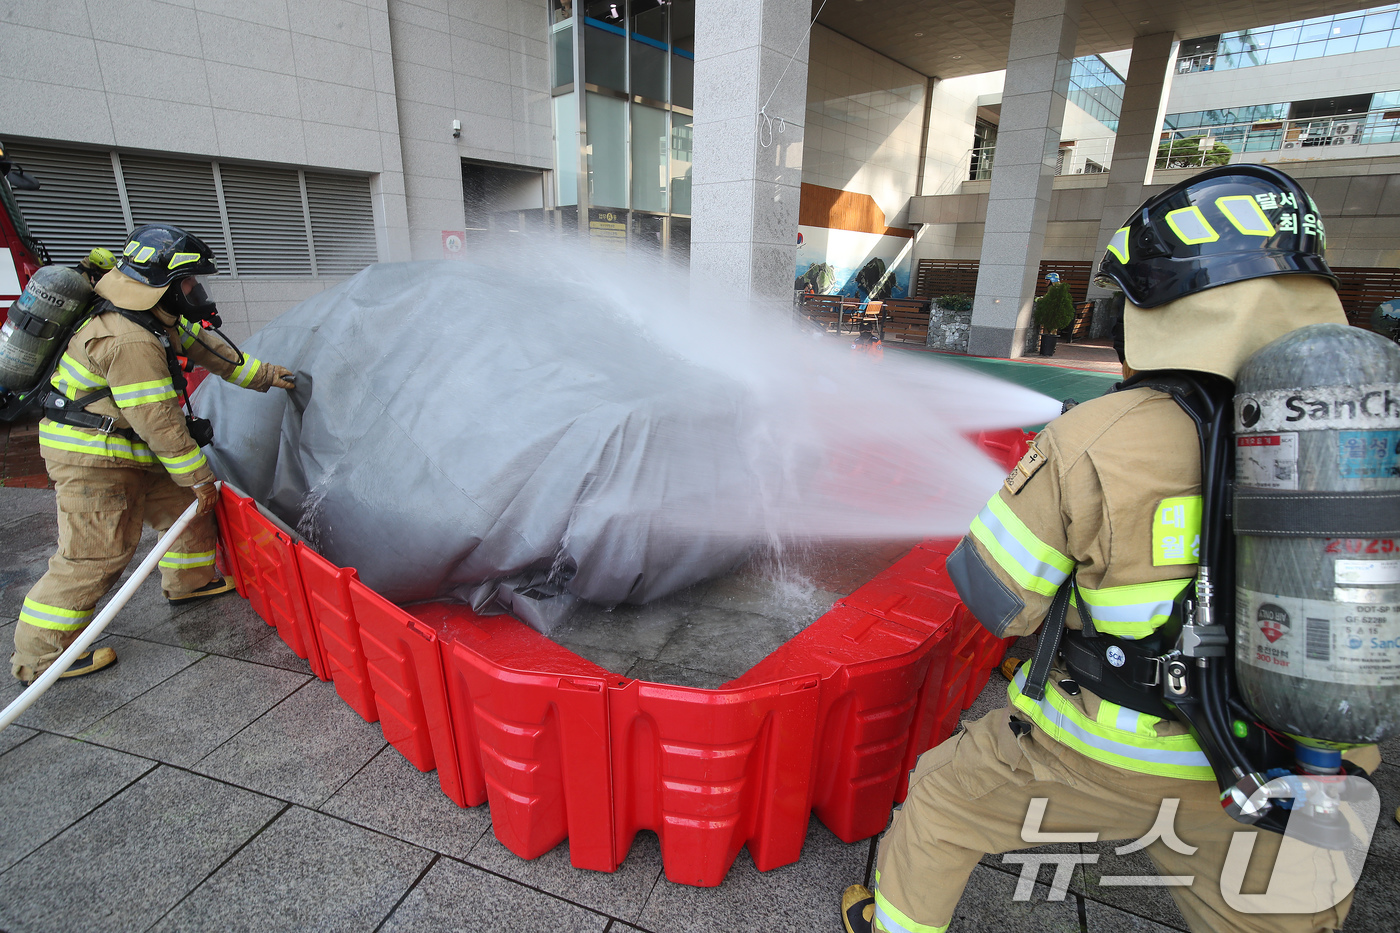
x=209 y=782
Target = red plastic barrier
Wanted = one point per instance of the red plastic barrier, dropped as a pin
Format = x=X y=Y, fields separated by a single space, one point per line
x=832 y=721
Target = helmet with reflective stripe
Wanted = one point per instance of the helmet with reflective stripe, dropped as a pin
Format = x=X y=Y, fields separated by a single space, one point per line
x=1223 y=225
x=158 y=254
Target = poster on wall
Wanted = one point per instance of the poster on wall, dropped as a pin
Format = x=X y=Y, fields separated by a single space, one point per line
x=862 y=266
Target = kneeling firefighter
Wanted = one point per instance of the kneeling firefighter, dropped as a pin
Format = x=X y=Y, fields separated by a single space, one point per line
x=120 y=450
x=1113 y=537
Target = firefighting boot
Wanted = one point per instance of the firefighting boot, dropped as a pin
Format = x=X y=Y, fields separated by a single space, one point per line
x=857 y=909
x=89 y=662
x=212 y=588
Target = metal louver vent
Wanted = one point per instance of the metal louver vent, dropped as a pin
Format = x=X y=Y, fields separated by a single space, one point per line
x=179 y=192
x=77 y=206
x=266 y=220
x=342 y=223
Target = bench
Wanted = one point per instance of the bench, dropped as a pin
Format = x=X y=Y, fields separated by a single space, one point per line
x=906 y=319
x=823 y=309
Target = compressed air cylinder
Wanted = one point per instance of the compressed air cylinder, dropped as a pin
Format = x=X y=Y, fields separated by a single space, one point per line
x=1317 y=617
x=54 y=297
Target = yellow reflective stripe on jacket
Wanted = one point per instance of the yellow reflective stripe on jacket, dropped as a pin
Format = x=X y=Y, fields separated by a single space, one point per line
x=1134 y=611
x=1031 y=562
x=189 y=333
x=1136 y=749
x=178 y=560
x=243 y=375
x=890 y=919
x=73 y=378
x=143 y=393
x=54 y=617
x=186 y=464
x=76 y=440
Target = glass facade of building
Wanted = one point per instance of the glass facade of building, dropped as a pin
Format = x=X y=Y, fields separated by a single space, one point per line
x=1358 y=31
x=1097 y=89
x=1362 y=119
x=629 y=143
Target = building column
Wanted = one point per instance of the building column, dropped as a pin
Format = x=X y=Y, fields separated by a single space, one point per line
x=1043 y=33
x=1139 y=125
x=750 y=55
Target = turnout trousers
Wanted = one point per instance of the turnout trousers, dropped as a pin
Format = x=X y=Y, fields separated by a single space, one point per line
x=100 y=514
x=970 y=796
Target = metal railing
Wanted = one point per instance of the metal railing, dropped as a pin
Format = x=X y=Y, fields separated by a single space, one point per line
x=1086 y=157
x=1197 y=147
x=1191 y=64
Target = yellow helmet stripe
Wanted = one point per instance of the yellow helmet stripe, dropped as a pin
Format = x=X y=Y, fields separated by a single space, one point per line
x=1191 y=226
x=1118 y=245
x=182 y=259
x=1246 y=214
x=145 y=253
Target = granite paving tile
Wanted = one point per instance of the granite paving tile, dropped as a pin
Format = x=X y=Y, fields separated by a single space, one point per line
x=1373 y=907
x=301 y=750
x=49 y=782
x=134 y=857
x=438 y=904
x=393 y=797
x=1385 y=841
x=988 y=906
x=1101 y=918
x=618 y=894
x=16 y=503
x=26 y=544
x=12 y=736
x=273 y=651
x=803 y=896
x=614 y=661
x=71 y=706
x=637 y=630
x=1154 y=903
x=224 y=625
x=306 y=873
x=725 y=641
x=194 y=712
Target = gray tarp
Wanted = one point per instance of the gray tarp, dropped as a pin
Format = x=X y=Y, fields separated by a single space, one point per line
x=460 y=432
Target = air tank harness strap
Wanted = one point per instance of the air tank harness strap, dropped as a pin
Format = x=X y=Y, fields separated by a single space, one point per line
x=1300 y=513
x=1051 y=631
x=32 y=324
x=60 y=409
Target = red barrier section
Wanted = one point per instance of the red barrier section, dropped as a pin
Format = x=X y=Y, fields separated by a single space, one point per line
x=831 y=722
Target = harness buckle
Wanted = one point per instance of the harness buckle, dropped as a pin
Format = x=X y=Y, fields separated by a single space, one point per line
x=108 y=425
x=1154 y=666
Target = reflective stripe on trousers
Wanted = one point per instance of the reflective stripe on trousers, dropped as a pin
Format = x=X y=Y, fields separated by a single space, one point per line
x=1120 y=737
x=54 y=617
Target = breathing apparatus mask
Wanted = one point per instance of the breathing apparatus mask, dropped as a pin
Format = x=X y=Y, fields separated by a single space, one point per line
x=194 y=306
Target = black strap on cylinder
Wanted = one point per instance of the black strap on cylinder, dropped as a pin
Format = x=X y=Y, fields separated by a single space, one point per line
x=33 y=325
x=1297 y=513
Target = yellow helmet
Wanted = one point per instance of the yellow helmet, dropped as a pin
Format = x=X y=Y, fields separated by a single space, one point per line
x=102 y=258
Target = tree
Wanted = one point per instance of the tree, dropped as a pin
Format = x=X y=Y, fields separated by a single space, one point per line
x=1186 y=153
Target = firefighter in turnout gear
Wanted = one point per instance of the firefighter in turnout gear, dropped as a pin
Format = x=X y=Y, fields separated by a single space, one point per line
x=1104 y=512
x=118 y=448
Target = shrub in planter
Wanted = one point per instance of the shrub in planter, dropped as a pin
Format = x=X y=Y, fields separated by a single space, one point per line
x=956 y=303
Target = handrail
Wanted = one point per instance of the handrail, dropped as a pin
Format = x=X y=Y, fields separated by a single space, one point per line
x=1350 y=129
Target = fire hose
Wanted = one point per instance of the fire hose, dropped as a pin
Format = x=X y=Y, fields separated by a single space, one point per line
x=96 y=627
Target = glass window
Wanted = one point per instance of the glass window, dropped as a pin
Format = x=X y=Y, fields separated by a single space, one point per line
x=1285 y=35
x=1310 y=50
x=1312 y=31
x=1379 y=22
x=682 y=129
x=683 y=53
x=1385 y=100
x=1280 y=54
x=606 y=150
x=604 y=48
x=564 y=55
x=563 y=10
x=566 y=149
x=650 y=158
x=1346 y=27
x=1340 y=45
x=1372 y=40
x=649 y=49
